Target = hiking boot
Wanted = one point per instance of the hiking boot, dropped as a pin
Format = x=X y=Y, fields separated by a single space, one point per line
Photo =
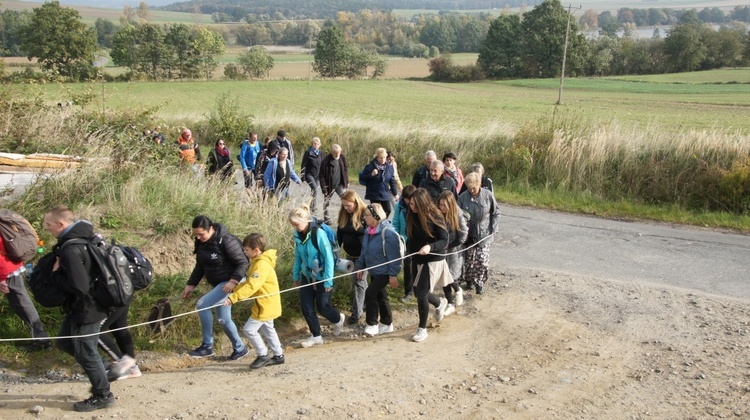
x=479 y=289
x=449 y=309
x=276 y=360
x=406 y=298
x=338 y=327
x=38 y=345
x=204 y=350
x=95 y=402
x=421 y=335
x=372 y=330
x=312 y=341
x=440 y=310
x=237 y=355
x=352 y=320
x=459 y=296
x=385 y=329
x=260 y=361
x=120 y=368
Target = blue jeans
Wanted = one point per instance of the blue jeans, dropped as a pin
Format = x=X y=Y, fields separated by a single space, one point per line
x=316 y=296
x=85 y=352
x=223 y=314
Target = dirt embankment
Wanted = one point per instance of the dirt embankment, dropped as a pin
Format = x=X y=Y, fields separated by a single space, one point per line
x=536 y=345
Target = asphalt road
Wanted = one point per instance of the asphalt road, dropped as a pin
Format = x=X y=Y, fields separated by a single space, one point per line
x=687 y=257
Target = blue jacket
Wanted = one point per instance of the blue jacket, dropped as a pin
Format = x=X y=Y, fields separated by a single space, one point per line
x=372 y=252
x=377 y=187
x=399 y=217
x=269 y=177
x=248 y=155
x=306 y=257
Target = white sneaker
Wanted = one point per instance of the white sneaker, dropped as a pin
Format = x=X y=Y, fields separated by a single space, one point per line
x=133 y=372
x=121 y=367
x=450 y=309
x=372 y=330
x=385 y=329
x=459 y=296
x=421 y=335
x=440 y=310
x=312 y=341
x=338 y=327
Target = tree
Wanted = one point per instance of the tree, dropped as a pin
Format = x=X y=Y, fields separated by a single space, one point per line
x=256 y=62
x=151 y=49
x=143 y=12
x=543 y=30
x=589 y=20
x=124 y=50
x=59 y=40
x=179 y=43
x=11 y=22
x=684 y=48
x=105 y=32
x=440 y=33
x=330 y=52
x=501 y=52
x=209 y=46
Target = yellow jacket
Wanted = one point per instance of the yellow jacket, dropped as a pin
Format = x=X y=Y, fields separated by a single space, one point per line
x=261 y=281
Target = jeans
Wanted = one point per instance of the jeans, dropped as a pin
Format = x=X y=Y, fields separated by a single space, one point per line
x=122 y=344
x=223 y=314
x=360 y=286
x=24 y=308
x=339 y=190
x=376 y=300
x=85 y=352
x=313 y=183
x=424 y=297
x=311 y=297
x=266 y=329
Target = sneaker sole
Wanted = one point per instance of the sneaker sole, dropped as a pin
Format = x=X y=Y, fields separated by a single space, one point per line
x=202 y=356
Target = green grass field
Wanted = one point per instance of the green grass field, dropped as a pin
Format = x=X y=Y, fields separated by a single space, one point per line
x=661 y=103
x=90 y=14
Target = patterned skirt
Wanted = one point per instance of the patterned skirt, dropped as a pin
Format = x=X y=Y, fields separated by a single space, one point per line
x=477 y=265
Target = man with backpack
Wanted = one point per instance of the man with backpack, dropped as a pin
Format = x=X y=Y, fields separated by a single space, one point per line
x=73 y=273
x=12 y=285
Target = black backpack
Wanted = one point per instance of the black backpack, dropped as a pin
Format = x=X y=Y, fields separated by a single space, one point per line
x=45 y=292
x=143 y=273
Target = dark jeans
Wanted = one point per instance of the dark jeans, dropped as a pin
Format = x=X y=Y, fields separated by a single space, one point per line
x=85 y=352
x=424 y=297
x=124 y=341
x=313 y=183
x=376 y=301
x=410 y=271
x=21 y=303
x=386 y=207
x=339 y=190
x=312 y=297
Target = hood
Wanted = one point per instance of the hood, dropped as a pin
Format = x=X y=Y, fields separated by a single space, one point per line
x=267 y=255
x=79 y=229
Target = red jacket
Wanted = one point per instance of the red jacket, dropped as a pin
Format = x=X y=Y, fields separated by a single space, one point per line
x=7 y=266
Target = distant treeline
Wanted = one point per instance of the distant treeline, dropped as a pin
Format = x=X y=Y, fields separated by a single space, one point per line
x=627 y=16
x=242 y=10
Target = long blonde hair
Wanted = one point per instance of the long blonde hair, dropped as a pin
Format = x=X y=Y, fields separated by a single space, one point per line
x=356 y=216
x=451 y=217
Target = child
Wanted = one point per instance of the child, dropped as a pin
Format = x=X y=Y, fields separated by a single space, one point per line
x=261 y=282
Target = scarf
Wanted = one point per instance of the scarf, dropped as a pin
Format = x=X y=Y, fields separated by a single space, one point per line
x=372 y=230
x=314 y=152
x=223 y=152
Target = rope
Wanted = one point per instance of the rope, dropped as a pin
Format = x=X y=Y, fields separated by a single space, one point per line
x=243 y=300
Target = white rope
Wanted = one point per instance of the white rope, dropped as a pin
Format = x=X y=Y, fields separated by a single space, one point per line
x=243 y=300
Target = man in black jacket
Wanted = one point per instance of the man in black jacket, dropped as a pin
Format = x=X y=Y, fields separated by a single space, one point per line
x=333 y=177
x=73 y=273
x=438 y=181
x=423 y=172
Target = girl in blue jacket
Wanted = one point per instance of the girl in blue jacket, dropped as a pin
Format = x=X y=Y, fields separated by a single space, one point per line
x=313 y=262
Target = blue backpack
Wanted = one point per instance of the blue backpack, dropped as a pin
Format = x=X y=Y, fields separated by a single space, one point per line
x=331 y=236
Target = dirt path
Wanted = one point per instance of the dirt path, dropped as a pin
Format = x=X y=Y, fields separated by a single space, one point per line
x=536 y=345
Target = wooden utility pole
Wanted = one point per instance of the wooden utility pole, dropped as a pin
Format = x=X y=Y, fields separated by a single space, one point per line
x=565 y=54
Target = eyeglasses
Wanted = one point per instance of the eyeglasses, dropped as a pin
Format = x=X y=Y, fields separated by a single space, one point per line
x=373 y=213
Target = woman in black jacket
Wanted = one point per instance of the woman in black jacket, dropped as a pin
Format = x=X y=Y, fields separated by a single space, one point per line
x=310 y=172
x=218 y=257
x=428 y=237
x=351 y=230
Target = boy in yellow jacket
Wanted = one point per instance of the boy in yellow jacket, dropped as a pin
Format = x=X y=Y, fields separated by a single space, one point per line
x=262 y=284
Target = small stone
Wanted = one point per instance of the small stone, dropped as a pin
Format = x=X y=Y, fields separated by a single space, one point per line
x=473 y=389
x=423 y=401
x=37 y=409
x=301 y=411
x=504 y=379
x=532 y=391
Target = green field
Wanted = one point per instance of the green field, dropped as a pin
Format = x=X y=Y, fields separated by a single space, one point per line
x=661 y=103
x=90 y=14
